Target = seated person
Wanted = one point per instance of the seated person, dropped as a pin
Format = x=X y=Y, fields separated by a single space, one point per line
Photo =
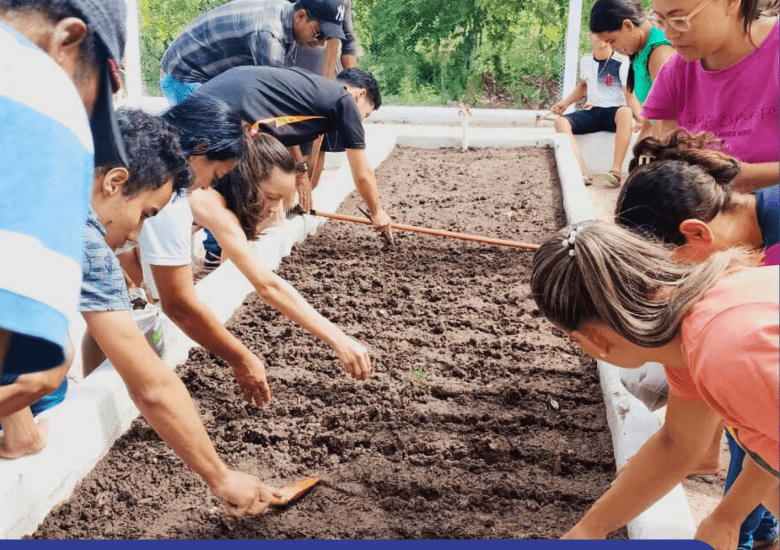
x=296 y=106
x=257 y=190
x=682 y=194
x=122 y=199
x=610 y=107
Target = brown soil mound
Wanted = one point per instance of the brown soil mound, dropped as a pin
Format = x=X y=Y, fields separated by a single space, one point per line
x=478 y=422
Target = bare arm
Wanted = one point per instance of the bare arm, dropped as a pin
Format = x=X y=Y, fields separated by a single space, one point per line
x=579 y=91
x=365 y=181
x=331 y=54
x=662 y=462
x=182 y=304
x=658 y=128
x=657 y=58
x=302 y=181
x=754 y=176
x=29 y=388
x=165 y=403
x=210 y=212
x=754 y=486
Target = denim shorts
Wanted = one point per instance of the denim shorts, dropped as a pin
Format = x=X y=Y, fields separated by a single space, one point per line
x=593 y=119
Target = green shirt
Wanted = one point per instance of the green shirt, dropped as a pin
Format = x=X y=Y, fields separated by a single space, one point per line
x=642 y=79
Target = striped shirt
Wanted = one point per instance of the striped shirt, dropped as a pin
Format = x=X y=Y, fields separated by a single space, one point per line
x=46 y=168
x=242 y=32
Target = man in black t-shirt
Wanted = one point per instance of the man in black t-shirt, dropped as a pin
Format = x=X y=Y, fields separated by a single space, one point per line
x=296 y=106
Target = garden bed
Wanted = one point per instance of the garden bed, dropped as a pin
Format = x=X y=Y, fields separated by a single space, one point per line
x=479 y=422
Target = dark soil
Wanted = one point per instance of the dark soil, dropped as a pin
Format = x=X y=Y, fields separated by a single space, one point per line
x=478 y=422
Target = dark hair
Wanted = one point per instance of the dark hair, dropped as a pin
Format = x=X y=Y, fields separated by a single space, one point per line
x=57 y=10
x=361 y=79
x=154 y=153
x=241 y=187
x=207 y=126
x=687 y=177
x=608 y=16
x=750 y=10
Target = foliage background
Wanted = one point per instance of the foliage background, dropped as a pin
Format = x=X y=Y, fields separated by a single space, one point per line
x=489 y=53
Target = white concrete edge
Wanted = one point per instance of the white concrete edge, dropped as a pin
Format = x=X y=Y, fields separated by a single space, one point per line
x=631 y=424
x=436 y=116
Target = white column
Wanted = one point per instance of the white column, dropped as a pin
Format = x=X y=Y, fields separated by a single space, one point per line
x=572 y=47
x=133 y=81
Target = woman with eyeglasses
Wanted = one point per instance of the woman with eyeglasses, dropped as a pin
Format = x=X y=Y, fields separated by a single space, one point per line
x=723 y=79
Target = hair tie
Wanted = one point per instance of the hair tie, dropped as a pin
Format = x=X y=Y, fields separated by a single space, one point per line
x=252 y=132
x=568 y=242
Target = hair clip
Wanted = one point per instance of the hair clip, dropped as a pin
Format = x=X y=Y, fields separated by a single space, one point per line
x=568 y=242
x=252 y=132
x=645 y=159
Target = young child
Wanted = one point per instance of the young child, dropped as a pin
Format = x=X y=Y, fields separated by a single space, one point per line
x=610 y=106
x=723 y=79
x=682 y=195
x=714 y=326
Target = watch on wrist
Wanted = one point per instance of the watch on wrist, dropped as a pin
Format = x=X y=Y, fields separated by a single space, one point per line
x=301 y=167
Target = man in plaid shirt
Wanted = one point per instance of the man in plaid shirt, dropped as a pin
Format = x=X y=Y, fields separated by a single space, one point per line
x=246 y=32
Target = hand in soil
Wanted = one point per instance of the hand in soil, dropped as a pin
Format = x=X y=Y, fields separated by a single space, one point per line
x=354 y=358
x=578 y=532
x=27 y=439
x=243 y=494
x=251 y=378
x=718 y=533
x=381 y=220
x=303 y=186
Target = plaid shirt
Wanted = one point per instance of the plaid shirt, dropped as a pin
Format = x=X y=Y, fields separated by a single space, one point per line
x=242 y=32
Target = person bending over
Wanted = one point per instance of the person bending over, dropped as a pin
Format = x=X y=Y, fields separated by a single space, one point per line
x=610 y=107
x=714 y=326
x=681 y=194
x=246 y=32
x=295 y=106
x=122 y=199
x=256 y=191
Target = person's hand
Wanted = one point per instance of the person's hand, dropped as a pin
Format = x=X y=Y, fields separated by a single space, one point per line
x=558 y=108
x=381 y=220
x=303 y=186
x=243 y=494
x=719 y=534
x=354 y=358
x=250 y=375
x=638 y=124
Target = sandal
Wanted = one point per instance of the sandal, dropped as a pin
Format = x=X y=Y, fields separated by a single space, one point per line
x=588 y=180
x=612 y=177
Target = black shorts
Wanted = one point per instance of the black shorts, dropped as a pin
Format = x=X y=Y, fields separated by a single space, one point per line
x=594 y=119
x=331 y=143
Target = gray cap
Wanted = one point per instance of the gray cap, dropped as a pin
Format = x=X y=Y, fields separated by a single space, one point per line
x=107 y=19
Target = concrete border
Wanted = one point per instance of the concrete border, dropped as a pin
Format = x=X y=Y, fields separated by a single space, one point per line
x=101 y=409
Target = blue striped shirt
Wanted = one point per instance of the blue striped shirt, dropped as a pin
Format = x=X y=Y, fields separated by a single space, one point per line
x=46 y=169
x=242 y=32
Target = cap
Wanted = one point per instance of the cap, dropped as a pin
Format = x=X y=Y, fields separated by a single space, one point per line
x=107 y=19
x=329 y=13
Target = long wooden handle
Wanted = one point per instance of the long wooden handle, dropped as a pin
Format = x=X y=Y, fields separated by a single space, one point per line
x=426 y=231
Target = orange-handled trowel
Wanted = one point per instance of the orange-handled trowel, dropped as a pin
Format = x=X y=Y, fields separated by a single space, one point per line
x=294 y=491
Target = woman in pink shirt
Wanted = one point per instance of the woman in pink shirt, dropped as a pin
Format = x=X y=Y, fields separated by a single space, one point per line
x=713 y=325
x=723 y=79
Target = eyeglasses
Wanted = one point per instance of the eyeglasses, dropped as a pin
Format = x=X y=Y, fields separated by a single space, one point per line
x=318 y=34
x=679 y=24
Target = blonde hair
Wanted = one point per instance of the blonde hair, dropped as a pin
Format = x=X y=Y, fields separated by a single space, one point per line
x=609 y=274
